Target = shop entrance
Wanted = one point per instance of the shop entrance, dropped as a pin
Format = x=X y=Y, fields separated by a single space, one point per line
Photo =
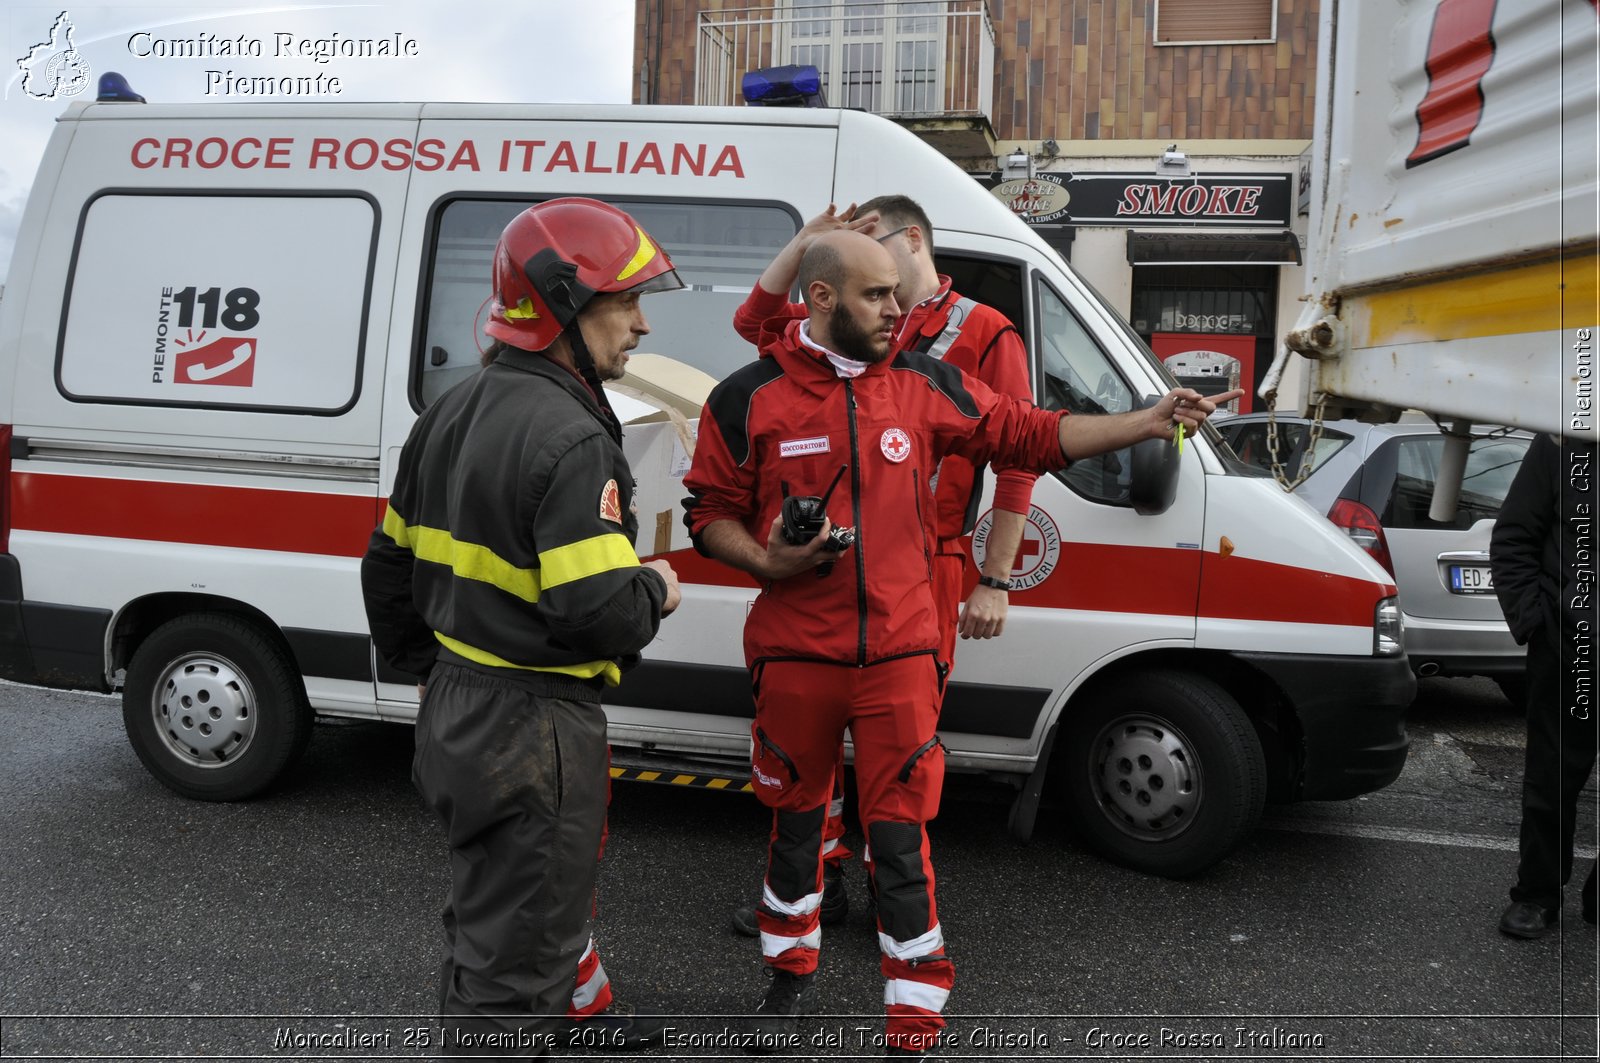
x=1214 y=325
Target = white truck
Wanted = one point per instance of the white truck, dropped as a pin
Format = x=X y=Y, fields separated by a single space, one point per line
x=222 y=321
x=1452 y=264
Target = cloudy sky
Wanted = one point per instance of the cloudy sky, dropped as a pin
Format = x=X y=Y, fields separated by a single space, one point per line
x=512 y=50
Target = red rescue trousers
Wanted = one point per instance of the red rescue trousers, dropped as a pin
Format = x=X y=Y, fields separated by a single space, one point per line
x=891 y=709
x=949 y=570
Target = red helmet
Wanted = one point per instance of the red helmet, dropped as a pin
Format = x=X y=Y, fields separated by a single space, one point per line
x=556 y=256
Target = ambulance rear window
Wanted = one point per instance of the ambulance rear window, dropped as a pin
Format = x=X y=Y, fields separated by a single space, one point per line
x=234 y=302
x=719 y=250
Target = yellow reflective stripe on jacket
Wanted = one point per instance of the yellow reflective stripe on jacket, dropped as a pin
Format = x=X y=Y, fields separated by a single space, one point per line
x=467 y=560
x=586 y=670
x=586 y=557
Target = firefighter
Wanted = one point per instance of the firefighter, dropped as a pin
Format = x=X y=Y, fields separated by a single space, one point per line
x=845 y=632
x=504 y=576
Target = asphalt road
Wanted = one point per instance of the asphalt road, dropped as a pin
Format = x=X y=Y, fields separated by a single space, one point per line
x=137 y=924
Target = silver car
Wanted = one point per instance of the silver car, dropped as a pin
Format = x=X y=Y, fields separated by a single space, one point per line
x=1375 y=481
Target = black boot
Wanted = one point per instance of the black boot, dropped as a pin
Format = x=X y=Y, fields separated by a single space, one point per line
x=619 y=1028
x=835 y=904
x=1524 y=919
x=775 y=1026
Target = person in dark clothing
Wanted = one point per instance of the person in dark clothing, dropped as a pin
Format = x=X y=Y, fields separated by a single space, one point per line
x=504 y=577
x=1541 y=555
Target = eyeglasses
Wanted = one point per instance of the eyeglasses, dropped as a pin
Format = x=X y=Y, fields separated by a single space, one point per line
x=897 y=232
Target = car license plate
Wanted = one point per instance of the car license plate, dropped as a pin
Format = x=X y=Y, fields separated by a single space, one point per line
x=1471 y=579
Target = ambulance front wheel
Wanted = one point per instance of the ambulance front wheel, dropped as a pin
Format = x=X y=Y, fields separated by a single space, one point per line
x=214 y=708
x=1164 y=772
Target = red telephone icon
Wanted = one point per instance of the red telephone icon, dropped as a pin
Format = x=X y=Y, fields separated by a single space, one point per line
x=226 y=361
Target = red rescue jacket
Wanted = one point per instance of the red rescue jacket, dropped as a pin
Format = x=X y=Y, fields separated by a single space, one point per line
x=788 y=419
x=973 y=337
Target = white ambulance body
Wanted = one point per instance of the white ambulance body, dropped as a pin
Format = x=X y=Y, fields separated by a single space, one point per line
x=221 y=322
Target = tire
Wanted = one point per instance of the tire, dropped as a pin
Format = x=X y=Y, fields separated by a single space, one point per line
x=214 y=708
x=1164 y=772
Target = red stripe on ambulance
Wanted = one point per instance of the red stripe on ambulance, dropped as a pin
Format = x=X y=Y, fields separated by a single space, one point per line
x=302 y=522
x=1099 y=577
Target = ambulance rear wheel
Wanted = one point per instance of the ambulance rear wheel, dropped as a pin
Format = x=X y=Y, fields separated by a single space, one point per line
x=1164 y=772
x=214 y=708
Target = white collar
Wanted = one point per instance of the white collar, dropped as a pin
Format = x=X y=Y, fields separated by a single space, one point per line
x=847 y=368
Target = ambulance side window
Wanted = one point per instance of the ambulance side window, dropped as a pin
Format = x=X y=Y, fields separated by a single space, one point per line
x=211 y=301
x=719 y=250
x=1076 y=375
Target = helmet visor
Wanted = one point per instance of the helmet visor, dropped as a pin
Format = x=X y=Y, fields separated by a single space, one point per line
x=661 y=282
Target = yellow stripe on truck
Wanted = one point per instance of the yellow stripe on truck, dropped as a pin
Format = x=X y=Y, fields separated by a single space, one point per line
x=1541 y=297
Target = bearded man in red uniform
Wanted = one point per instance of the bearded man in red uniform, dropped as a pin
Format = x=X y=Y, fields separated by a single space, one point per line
x=981 y=342
x=847 y=633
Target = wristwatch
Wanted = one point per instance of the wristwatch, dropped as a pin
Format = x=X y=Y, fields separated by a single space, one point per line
x=997 y=584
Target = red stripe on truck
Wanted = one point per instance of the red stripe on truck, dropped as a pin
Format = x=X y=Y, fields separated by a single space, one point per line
x=249 y=518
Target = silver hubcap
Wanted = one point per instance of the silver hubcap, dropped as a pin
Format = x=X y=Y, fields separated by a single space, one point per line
x=1146 y=777
x=205 y=710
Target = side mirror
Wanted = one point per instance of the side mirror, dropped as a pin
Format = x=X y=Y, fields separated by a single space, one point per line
x=1153 y=482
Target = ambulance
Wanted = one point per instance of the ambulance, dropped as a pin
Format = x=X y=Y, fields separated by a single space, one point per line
x=221 y=321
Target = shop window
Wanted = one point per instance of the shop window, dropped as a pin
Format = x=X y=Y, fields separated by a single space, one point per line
x=1216 y=21
x=1223 y=301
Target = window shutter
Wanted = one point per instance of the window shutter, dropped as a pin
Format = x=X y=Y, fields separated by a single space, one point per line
x=1180 y=21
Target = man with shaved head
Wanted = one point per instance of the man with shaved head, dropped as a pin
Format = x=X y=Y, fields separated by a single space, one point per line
x=982 y=342
x=846 y=632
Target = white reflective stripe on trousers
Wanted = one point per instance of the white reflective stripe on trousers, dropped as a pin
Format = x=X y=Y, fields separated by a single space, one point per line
x=914 y=994
x=775 y=945
x=809 y=903
x=927 y=945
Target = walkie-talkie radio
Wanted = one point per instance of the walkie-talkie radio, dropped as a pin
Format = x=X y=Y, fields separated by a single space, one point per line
x=804 y=515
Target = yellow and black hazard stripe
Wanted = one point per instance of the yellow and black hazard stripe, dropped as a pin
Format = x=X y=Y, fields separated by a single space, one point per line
x=678 y=778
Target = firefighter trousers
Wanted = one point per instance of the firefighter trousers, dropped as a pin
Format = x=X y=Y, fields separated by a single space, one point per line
x=891 y=709
x=515 y=768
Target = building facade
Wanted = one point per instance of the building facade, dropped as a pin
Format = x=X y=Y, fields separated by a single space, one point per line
x=1156 y=144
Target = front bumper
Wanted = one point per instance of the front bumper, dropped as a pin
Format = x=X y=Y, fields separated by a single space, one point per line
x=1352 y=715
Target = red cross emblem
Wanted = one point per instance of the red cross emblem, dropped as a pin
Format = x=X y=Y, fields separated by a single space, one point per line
x=896 y=445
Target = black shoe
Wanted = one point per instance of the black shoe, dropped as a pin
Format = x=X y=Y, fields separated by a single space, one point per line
x=835 y=905
x=835 y=901
x=619 y=1028
x=1524 y=919
x=775 y=1025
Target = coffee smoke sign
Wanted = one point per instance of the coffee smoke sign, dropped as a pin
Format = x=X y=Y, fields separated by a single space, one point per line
x=1243 y=199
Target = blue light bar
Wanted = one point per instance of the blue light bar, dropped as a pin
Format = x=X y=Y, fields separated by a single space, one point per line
x=114 y=88
x=783 y=86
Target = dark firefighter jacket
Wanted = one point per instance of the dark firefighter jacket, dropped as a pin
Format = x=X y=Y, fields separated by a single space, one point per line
x=509 y=535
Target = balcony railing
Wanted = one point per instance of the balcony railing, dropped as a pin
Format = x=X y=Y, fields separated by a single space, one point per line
x=901 y=58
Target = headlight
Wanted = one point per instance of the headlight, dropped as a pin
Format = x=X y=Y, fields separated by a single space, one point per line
x=1388 y=630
